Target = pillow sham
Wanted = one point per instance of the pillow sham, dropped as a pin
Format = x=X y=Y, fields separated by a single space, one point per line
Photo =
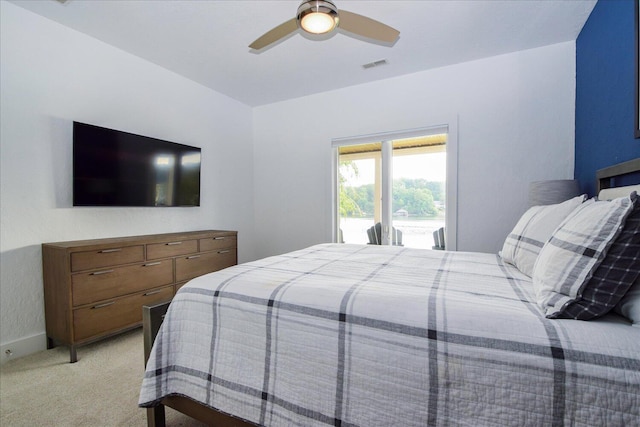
x=535 y=227
x=614 y=276
x=576 y=249
x=629 y=305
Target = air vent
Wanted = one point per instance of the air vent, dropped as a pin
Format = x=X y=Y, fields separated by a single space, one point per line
x=375 y=64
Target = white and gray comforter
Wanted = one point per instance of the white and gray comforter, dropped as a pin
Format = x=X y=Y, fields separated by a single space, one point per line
x=351 y=335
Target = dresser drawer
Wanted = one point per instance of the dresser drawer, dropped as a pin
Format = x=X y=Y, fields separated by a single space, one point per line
x=105 y=257
x=197 y=265
x=116 y=314
x=112 y=282
x=169 y=249
x=218 y=242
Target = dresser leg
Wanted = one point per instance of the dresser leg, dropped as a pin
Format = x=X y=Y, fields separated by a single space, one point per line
x=50 y=343
x=73 y=354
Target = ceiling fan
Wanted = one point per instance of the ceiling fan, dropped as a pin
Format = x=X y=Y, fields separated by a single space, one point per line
x=322 y=17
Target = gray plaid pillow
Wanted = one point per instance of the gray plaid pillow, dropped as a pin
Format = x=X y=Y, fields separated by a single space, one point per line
x=576 y=249
x=535 y=227
x=615 y=275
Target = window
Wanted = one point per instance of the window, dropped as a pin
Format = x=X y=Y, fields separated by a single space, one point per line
x=398 y=182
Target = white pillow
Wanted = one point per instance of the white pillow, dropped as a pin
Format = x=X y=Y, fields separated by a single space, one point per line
x=575 y=250
x=629 y=305
x=535 y=227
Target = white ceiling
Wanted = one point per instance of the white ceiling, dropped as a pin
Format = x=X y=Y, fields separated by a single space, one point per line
x=207 y=40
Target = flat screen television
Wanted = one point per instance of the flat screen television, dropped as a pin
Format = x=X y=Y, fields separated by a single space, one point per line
x=114 y=168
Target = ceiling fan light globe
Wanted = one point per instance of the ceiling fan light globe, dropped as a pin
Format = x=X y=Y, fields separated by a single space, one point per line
x=317 y=16
x=317 y=23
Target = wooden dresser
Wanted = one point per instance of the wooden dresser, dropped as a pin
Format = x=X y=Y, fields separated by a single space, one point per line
x=96 y=288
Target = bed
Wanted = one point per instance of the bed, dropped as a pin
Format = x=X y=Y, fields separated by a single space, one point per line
x=364 y=335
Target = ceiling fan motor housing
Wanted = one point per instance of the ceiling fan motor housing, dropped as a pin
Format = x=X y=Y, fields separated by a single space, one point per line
x=317 y=16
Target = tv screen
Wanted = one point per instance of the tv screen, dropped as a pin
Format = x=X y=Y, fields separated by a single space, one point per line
x=114 y=168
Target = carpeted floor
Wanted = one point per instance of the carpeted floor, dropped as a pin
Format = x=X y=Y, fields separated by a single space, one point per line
x=101 y=389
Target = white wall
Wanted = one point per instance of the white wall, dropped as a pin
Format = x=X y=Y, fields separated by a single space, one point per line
x=516 y=125
x=51 y=76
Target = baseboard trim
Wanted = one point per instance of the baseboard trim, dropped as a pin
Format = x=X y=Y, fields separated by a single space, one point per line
x=22 y=347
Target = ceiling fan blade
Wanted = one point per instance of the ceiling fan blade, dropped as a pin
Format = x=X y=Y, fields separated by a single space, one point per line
x=367 y=27
x=275 y=34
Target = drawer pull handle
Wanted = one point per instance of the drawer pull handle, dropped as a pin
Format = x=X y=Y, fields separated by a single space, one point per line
x=219 y=238
x=106 y=304
x=193 y=256
x=151 y=293
x=224 y=252
x=97 y=273
x=108 y=251
x=173 y=243
x=151 y=264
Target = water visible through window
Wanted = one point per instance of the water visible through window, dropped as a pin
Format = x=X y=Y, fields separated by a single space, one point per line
x=417 y=196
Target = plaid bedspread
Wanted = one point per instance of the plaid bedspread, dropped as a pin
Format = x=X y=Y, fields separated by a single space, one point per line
x=352 y=335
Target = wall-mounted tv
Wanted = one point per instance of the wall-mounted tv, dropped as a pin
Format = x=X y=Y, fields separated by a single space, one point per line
x=114 y=168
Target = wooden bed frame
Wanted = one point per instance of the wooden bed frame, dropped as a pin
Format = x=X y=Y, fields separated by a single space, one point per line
x=152 y=317
x=605 y=175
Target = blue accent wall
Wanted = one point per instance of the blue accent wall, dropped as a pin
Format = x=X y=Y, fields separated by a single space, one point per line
x=605 y=100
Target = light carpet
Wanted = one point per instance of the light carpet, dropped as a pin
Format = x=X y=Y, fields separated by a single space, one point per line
x=101 y=389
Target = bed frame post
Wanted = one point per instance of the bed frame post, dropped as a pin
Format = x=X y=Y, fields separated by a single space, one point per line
x=152 y=317
x=155 y=416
